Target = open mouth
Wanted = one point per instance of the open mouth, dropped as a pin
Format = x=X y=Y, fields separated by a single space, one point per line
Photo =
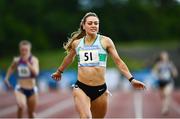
x=93 y=30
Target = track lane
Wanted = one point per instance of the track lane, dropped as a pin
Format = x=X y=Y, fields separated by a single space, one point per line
x=121 y=105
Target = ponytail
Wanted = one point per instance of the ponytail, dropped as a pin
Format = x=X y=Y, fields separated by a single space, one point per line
x=76 y=35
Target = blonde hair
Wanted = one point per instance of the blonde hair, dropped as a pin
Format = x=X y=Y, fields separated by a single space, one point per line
x=80 y=33
x=25 y=42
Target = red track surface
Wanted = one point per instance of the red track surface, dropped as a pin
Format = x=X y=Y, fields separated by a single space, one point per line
x=121 y=105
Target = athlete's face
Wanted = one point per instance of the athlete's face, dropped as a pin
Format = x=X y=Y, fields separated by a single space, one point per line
x=91 y=25
x=164 y=56
x=25 y=50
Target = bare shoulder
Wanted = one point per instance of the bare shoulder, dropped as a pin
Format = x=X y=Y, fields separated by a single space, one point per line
x=35 y=59
x=75 y=43
x=16 y=59
x=15 y=62
x=106 y=41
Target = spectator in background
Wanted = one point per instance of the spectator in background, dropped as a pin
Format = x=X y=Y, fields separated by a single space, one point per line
x=27 y=67
x=165 y=71
x=90 y=91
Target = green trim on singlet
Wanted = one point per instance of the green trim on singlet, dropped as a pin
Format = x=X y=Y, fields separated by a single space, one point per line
x=100 y=40
x=102 y=57
x=78 y=58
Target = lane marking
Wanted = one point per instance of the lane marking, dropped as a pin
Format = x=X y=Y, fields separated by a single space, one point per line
x=138 y=105
x=62 y=105
x=8 y=110
x=175 y=106
x=12 y=109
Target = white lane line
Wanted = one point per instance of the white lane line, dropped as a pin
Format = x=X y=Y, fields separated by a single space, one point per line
x=12 y=109
x=8 y=110
x=138 y=105
x=62 y=105
x=175 y=106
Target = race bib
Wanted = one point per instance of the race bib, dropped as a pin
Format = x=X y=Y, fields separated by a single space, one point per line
x=88 y=56
x=23 y=71
x=165 y=74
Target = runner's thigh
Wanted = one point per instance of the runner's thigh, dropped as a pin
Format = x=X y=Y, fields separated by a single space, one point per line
x=99 y=106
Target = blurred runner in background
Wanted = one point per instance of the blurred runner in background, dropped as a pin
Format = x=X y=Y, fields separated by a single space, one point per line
x=165 y=71
x=27 y=67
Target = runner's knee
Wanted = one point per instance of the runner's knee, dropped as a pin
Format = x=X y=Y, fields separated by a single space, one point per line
x=21 y=106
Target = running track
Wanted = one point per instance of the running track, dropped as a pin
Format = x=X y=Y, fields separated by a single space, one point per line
x=59 y=104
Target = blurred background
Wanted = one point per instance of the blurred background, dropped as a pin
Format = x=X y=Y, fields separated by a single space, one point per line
x=140 y=29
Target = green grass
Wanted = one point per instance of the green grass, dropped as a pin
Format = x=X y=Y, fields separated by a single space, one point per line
x=53 y=58
x=50 y=59
x=5 y=62
x=167 y=44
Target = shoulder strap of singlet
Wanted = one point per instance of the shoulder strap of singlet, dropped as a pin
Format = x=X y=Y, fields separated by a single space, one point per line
x=30 y=58
x=100 y=42
x=81 y=42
